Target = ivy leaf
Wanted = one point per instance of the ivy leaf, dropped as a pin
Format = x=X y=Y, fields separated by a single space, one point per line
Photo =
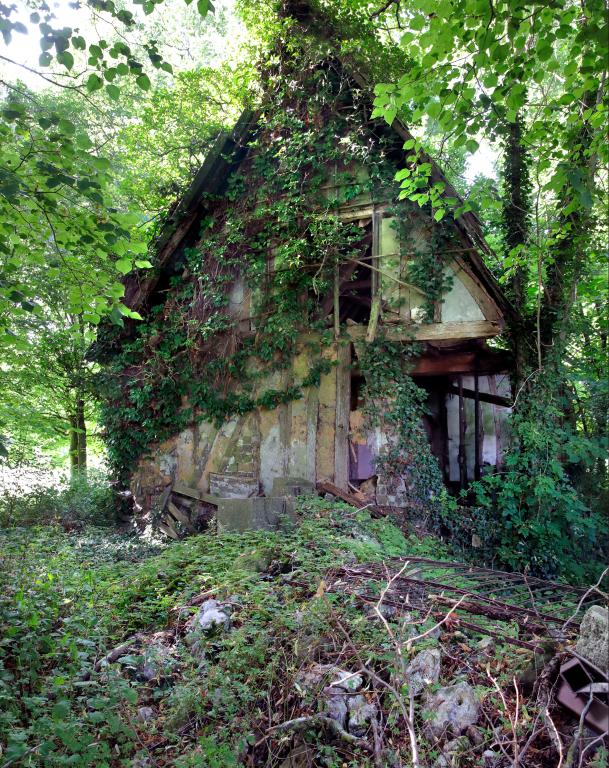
x=390 y=115
x=94 y=83
x=113 y=91
x=66 y=58
x=124 y=266
x=67 y=127
x=143 y=82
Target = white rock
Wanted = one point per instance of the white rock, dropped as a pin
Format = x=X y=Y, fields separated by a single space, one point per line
x=335 y=705
x=487 y=645
x=452 y=709
x=212 y=616
x=361 y=713
x=423 y=670
x=593 y=643
x=144 y=714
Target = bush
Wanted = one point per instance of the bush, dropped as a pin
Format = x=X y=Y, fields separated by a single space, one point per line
x=529 y=516
x=86 y=500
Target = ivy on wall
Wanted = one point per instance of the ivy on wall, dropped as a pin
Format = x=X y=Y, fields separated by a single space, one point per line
x=275 y=229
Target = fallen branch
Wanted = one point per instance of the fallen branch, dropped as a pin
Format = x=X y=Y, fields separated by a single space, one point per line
x=309 y=721
x=114 y=654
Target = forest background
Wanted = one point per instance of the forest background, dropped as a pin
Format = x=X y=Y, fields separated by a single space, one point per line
x=108 y=109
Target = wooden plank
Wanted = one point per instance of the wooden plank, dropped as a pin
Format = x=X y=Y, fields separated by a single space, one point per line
x=168 y=531
x=461 y=458
x=375 y=311
x=477 y=429
x=195 y=493
x=499 y=448
x=336 y=302
x=356 y=500
x=483 y=397
x=184 y=490
x=343 y=399
x=471 y=329
x=180 y=516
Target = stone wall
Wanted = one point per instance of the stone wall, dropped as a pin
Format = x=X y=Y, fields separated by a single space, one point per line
x=296 y=439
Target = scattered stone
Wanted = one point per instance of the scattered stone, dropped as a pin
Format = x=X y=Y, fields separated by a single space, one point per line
x=331 y=677
x=593 y=642
x=141 y=762
x=158 y=663
x=212 y=616
x=301 y=756
x=387 y=611
x=348 y=681
x=475 y=735
x=335 y=705
x=361 y=713
x=145 y=714
x=451 y=753
x=337 y=688
x=491 y=758
x=423 y=670
x=452 y=709
x=486 y=645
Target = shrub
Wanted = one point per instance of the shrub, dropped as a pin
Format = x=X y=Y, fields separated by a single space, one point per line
x=529 y=516
x=85 y=500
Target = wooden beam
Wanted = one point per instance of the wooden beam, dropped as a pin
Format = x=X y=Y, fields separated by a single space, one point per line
x=181 y=517
x=195 y=493
x=343 y=400
x=477 y=429
x=375 y=311
x=336 y=302
x=358 y=500
x=483 y=397
x=183 y=490
x=471 y=329
x=462 y=460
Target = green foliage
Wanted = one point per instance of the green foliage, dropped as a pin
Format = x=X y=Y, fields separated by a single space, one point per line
x=53 y=628
x=86 y=500
x=57 y=222
x=67 y=599
x=395 y=400
x=529 y=515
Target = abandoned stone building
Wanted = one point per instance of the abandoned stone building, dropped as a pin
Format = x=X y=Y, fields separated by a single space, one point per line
x=320 y=434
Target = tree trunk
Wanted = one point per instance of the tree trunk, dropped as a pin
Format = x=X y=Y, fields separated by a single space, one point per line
x=566 y=265
x=516 y=225
x=78 y=441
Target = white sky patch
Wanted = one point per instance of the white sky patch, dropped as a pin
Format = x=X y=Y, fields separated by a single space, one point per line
x=482 y=163
x=185 y=40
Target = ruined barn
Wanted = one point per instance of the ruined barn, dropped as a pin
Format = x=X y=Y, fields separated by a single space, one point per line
x=229 y=390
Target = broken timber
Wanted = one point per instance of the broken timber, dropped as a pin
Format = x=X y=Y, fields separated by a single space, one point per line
x=512 y=607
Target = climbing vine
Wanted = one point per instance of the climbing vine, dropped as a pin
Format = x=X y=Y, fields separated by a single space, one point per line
x=276 y=230
x=394 y=401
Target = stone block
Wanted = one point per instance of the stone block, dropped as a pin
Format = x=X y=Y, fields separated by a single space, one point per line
x=258 y=513
x=292 y=486
x=234 y=485
x=593 y=642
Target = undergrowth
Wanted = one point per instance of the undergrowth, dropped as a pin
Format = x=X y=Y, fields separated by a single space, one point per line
x=68 y=598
